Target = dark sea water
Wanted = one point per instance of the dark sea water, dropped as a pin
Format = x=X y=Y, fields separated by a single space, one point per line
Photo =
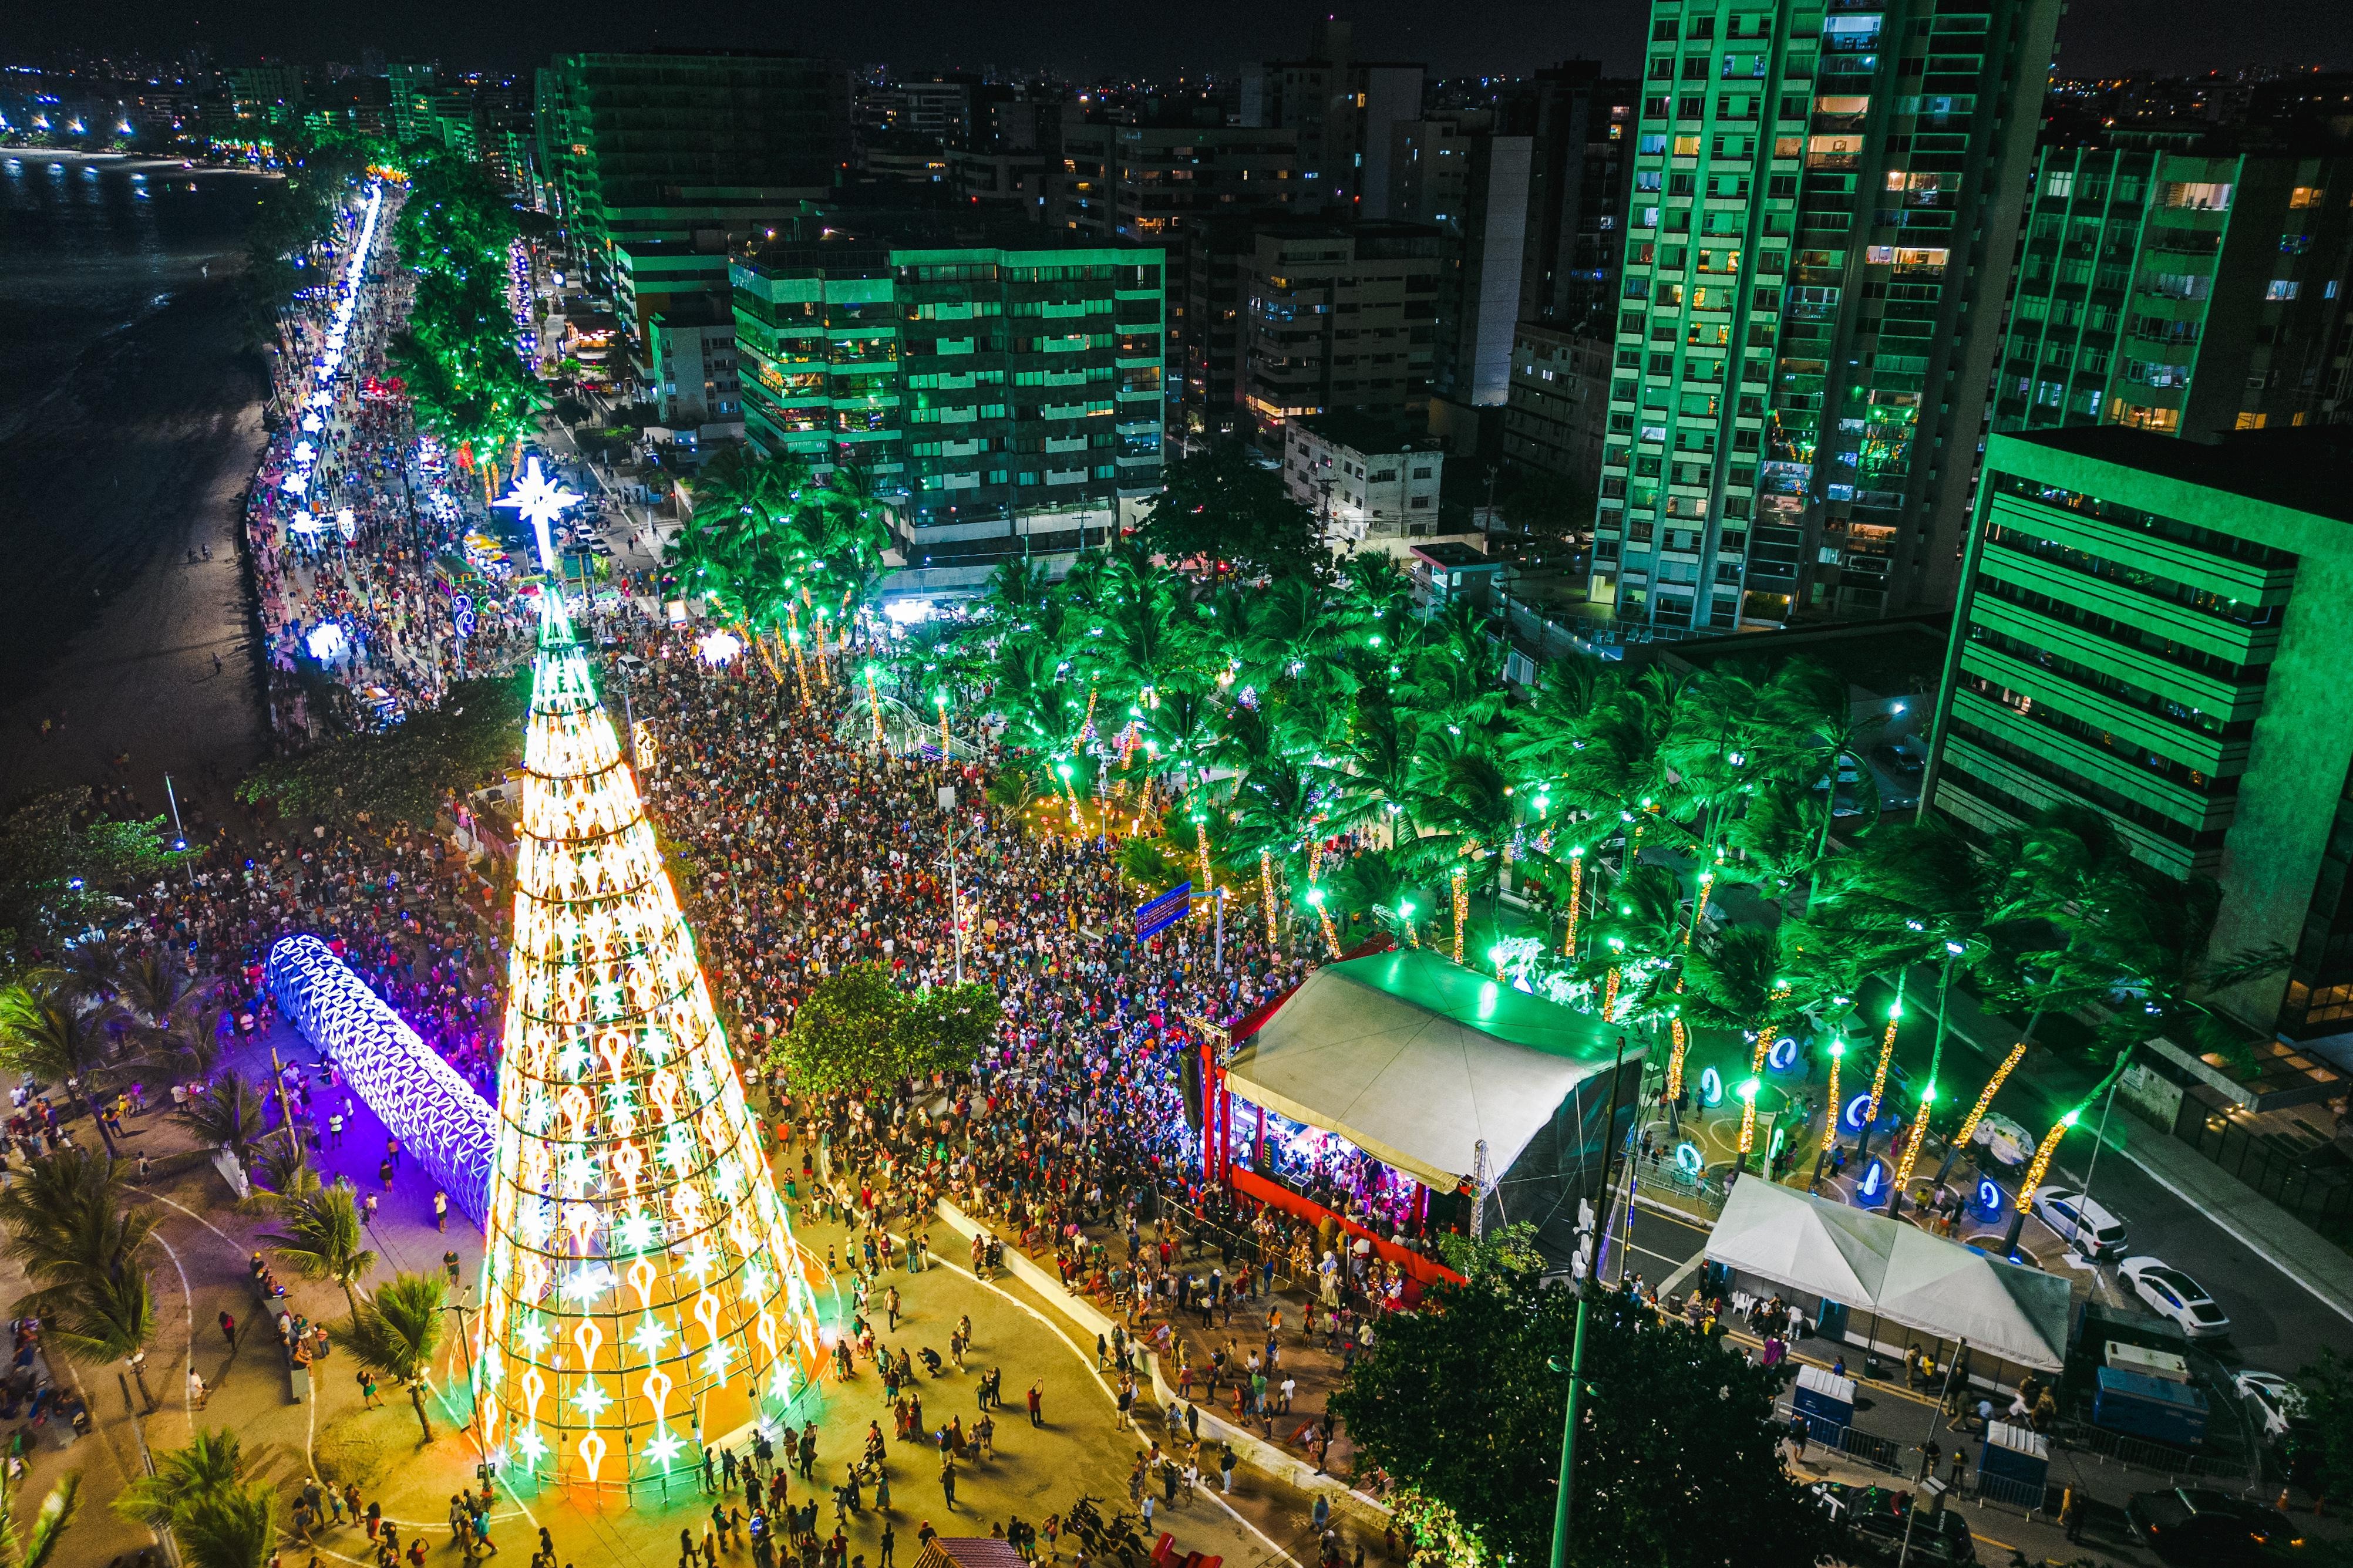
x=125 y=394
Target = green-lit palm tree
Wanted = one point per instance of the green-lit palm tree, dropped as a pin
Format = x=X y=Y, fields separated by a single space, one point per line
x=323 y=1234
x=397 y=1331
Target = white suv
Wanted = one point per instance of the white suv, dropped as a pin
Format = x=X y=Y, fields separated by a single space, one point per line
x=2095 y=1232
x=2177 y=1296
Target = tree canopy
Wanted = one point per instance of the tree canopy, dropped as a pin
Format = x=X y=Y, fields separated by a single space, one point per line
x=1221 y=508
x=1677 y=1461
x=859 y=1030
x=59 y=861
x=405 y=772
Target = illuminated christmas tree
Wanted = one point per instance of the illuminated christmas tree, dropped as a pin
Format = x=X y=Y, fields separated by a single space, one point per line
x=642 y=1292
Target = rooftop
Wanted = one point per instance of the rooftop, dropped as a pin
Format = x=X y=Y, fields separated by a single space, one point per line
x=2299 y=469
x=1452 y=554
x=1884 y=658
x=1367 y=433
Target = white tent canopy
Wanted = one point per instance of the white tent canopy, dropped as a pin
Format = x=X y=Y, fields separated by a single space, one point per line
x=1417 y=1061
x=1898 y=1271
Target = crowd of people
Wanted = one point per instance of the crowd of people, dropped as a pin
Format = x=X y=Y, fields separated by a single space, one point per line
x=345 y=572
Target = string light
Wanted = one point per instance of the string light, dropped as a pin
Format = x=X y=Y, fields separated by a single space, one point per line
x=1676 y=1057
x=874 y=706
x=1575 y=898
x=1462 y=886
x=1266 y=891
x=1886 y=1054
x=1699 y=906
x=2042 y=1162
x=1609 y=996
x=1830 y=1124
x=1747 y=1092
x=1968 y=1127
x=1404 y=913
x=640 y=1277
x=1919 y=1136
x=1331 y=936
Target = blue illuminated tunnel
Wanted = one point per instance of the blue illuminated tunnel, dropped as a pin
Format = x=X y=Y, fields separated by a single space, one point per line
x=436 y=1114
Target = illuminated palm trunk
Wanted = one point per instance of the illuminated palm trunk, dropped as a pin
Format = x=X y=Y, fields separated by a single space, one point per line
x=641 y=1286
x=1266 y=891
x=1968 y=1127
x=1461 y=891
x=1576 y=898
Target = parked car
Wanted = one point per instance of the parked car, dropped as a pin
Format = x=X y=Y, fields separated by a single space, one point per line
x=2277 y=1399
x=1873 y=1526
x=2175 y=1295
x=2095 y=1232
x=2212 y=1528
x=1904 y=756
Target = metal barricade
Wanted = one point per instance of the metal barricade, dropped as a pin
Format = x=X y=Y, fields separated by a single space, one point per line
x=2032 y=1496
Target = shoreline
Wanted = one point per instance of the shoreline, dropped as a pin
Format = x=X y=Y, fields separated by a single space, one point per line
x=138 y=677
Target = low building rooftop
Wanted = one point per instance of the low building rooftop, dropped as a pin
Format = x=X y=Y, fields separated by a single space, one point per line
x=2302 y=469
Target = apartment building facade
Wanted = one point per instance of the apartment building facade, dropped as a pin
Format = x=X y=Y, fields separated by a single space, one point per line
x=2183 y=291
x=2150 y=627
x=1006 y=399
x=1824 y=216
x=1337 y=317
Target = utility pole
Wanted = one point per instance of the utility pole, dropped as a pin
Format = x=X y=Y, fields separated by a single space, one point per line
x=179 y=834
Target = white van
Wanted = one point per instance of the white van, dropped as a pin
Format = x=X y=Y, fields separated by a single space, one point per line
x=2095 y=1232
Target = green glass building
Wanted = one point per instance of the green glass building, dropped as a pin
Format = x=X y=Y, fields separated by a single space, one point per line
x=2182 y=291
x=1824 y=212
x=1006 y=399
x=2150 y=628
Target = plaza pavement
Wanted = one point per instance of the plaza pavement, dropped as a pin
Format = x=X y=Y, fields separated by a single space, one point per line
x=204 y=1240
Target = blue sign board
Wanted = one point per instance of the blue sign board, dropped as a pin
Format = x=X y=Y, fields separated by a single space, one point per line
x=1165 y=911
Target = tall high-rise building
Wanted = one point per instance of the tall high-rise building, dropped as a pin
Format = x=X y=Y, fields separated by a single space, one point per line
x=2187 y=292
x=1139 y=174
x=1460 y=173
x=658 y=146
x=1006 y=398
x=2151 y=628
x=1342 y=110
x=1825 y=211
x=412 y=84
x=1338 y=316
x=1581 y=185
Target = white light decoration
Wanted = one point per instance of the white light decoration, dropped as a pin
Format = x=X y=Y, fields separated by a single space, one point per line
x=305 y=456
x=421 y=1099
x=718 y=647
x=641 y=1286
x=539 y=501
x=326 y=642
x=306 y=525
x=347 y=524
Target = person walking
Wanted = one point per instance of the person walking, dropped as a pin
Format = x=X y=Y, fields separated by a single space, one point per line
x=1037 y=1414
x=948 y=1482
x=197 y=1393
x=228 y=1330
x=440 y=1210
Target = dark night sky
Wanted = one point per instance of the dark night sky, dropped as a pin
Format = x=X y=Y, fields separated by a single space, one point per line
x=1094 y=36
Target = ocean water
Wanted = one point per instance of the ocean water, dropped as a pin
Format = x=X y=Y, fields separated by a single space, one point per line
x=123 y=384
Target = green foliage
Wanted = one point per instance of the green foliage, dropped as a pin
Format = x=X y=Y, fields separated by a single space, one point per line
x=459 y=356
x=1677 y=1464
x=214 y=1457
x=323 y=1234
x=59 y=860
x=225 y=1113
x=1223 y=509
x=34 y=1545
x=397 y=1331
x=858 y=1030
x=406 y=772
x=232 y=1526
x=2321 y=1436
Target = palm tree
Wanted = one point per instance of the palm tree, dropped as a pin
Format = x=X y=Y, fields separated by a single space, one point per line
x=231 y=1526
x=228 y=1114
x=105 y=1318
x=34 y=1546
x=215 y=1458
x=49 y=1031
x=68 y=1218
x=397 y=1331
x=324 y=1230
x=167 y=1011
x=282 y=1173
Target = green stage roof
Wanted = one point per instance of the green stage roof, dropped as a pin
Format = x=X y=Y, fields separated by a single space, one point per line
x=1420 y=977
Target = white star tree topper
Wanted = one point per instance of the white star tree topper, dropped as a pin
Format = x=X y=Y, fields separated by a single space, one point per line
x=540 y=500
